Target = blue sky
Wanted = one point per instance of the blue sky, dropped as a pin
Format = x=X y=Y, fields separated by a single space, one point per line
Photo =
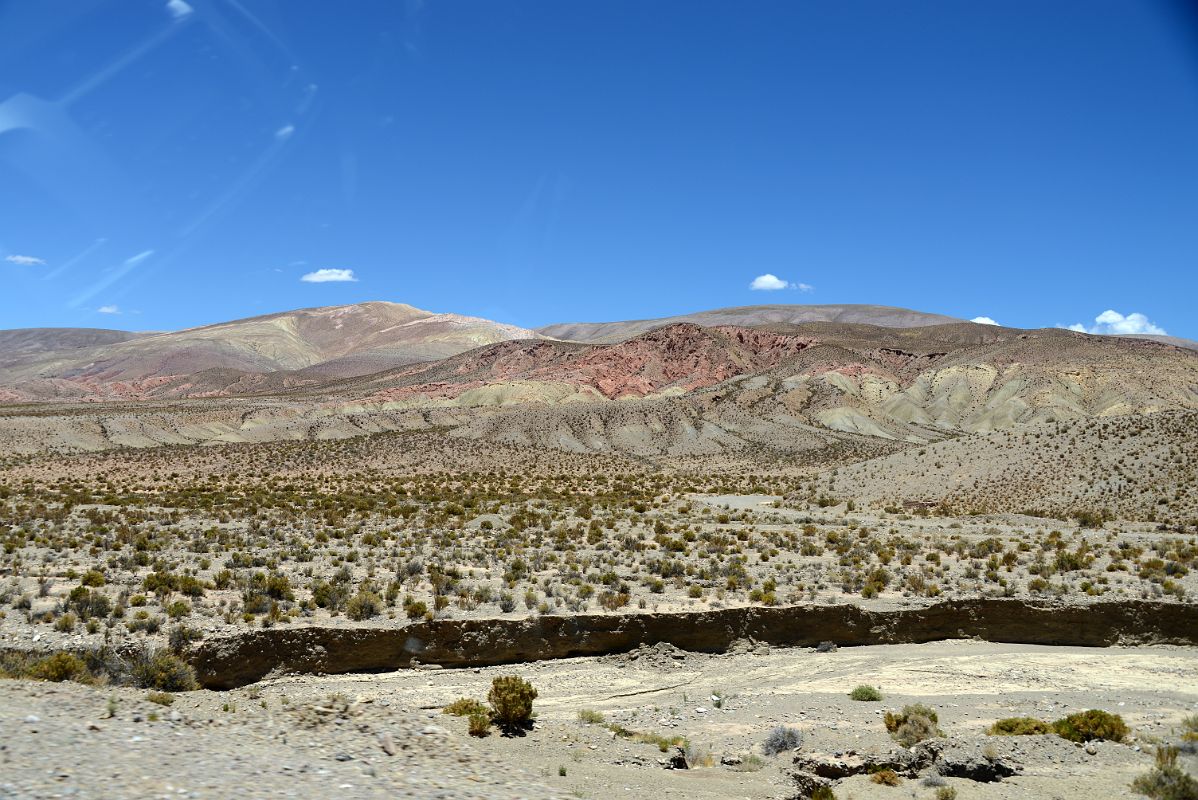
x=167 y=164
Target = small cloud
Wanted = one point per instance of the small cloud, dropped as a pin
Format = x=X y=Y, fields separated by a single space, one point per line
x=1111 y=322
x=133 y=261
x=108 y=310
x=983 y=321
x=284 y=132
x=768 y=283
x=178 y=8
x=26 y=261
x=772 y=283
x=329 y=276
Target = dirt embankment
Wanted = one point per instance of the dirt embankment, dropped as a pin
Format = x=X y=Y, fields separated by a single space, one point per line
x=233 y=661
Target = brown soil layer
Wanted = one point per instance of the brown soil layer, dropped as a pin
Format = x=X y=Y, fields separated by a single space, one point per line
x=234 y=661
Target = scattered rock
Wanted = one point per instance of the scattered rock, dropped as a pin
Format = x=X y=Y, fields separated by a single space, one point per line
x=836 y=766
x=676 y=760
x=956 y=759
x=807 y=783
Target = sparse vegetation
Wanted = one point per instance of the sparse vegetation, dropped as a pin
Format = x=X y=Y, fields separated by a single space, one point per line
x=479 y=723
x=1167 y=780
x=1019 y=726
x=511 y=702
x=60 y=667
x=781 y=739
x=866 y=693
x=464 y=707
x=1085 y=726
x=886 y=777
x=913 y=724
x=163 y=670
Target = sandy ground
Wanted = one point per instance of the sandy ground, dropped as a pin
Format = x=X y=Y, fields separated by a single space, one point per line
x=261 y=742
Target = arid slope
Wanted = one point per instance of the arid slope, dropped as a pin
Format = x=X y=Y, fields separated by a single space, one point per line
x=883 y=316
x=1130 y=467
x=270 y=352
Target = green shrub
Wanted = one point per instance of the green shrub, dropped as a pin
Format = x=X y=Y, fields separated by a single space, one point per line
x=93 y=577
x=913 y=724
x=61 y=667
x=590 y=717
x=1019 y=726
x=464 y=707
x=1166 y=781
x=142 y=621
x=1089 y=518
x=479 y=724
x=1085 y=726
x=190 y=586
x=414 y=609
x=88 y=603
x=364 y=605
x=330 y=595
x=866 y=693
x=511 y=702
x=181 y=635
x=161 y=698
x=163 y=670
x=946 y=793
x=823 y=793
x=178 y=609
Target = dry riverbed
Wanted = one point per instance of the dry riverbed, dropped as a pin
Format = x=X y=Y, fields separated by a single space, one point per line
x=383 y=735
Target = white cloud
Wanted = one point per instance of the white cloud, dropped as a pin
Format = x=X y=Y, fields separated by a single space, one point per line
x=768 y=283
x=178 y=8
x=983 y=321
x=108 y=310
x=772 y=283
x=26 y=261
x=285 y=132
x=1111 y=322
x=133 y=261
x=329 y=276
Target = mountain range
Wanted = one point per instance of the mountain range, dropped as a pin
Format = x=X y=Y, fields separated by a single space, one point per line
x=788 y=381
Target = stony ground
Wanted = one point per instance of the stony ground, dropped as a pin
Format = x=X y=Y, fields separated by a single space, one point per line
x=383 y=735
